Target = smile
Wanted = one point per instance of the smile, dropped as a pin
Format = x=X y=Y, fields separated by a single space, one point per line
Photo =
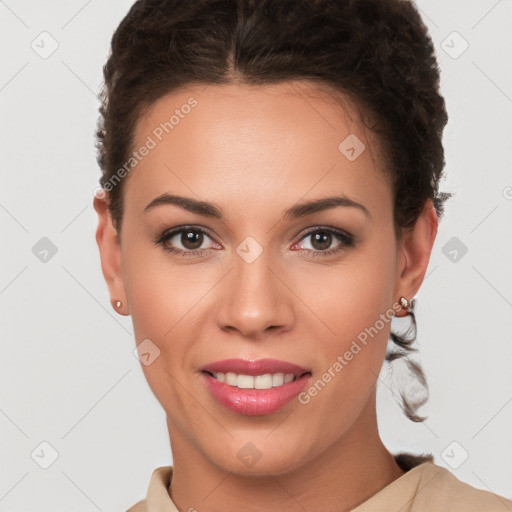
x=264 y=381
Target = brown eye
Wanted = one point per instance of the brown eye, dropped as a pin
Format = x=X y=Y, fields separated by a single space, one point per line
x=322 y=240
x=191 y=239
x=185 y=241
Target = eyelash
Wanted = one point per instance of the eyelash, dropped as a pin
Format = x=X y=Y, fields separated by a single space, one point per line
x=348 y=240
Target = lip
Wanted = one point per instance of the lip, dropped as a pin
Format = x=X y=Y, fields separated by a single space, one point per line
x=254 y=402
x=253 y=368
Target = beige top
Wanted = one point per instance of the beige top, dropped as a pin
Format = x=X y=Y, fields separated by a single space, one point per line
x=424 y=488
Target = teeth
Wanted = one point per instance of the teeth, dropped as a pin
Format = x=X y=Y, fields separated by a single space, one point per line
x=266 y=381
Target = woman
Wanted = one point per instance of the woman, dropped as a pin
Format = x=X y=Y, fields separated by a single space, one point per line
x=269 y=203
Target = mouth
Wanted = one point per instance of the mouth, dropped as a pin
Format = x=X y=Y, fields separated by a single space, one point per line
x=257 y=394
x=262 y=381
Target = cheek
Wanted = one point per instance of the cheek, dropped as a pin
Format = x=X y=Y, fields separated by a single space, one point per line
x=166 y=301
x=352 y=295
x=154 y=287
x=356 y=306
x=358 y=313
x=161 y=300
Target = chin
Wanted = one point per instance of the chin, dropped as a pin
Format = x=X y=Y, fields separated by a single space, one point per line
x=260 y=459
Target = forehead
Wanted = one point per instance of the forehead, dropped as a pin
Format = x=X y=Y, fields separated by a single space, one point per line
x=246 y=142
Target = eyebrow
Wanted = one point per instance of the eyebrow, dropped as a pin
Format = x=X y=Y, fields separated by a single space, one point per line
x=295 y=212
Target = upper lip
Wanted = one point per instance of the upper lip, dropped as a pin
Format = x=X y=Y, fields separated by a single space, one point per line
x=258 y=367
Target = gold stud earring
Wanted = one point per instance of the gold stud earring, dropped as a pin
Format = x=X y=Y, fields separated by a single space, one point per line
x=404 y=302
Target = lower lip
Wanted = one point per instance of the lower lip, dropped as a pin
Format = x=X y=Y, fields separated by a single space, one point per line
x=255 y=401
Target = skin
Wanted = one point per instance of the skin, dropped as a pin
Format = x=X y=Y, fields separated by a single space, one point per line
x=255 y=151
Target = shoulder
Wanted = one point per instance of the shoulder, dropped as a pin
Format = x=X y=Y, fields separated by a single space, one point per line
x=428 y=487
x=440 y=488
x=140 y=506
x=156 y=496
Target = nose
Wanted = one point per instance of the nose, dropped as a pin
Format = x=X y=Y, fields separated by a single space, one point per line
x=254 y=300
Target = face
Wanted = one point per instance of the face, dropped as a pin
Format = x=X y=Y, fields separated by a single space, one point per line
x=253 y=282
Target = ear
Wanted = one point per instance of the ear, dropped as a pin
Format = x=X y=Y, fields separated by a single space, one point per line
x=416 y=249
x=110 y=254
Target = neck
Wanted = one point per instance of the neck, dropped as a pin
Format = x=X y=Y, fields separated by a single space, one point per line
x=345 y=475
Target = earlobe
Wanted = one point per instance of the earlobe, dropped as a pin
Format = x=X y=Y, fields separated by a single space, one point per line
x=110 y=255
x=417 y=246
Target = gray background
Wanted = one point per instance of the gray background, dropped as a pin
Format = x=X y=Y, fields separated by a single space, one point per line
x=68 y=374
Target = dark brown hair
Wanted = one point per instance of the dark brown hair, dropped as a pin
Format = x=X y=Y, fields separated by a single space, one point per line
x=377 y=53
